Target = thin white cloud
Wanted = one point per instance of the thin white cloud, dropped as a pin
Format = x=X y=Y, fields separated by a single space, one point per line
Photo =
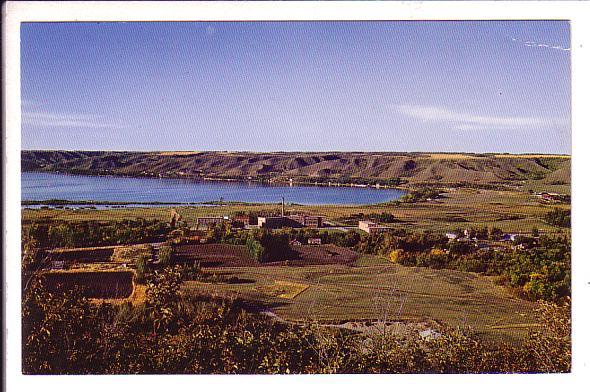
x=210 y=30
x=28 y=102
x=66 y=120
x=540 y=45
x=473 y=122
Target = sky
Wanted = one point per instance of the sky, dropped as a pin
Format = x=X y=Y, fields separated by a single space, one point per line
x=481 y=86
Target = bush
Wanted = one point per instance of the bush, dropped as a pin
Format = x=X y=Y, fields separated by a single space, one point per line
x=559 y=217
x=141 y=269
x=165 y=255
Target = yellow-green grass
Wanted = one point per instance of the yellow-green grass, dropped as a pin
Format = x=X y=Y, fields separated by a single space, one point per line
x=282 y=289
x=131 y=253
x=137 y=297
x=454 y=156
x=338 y=293
x=563 y=156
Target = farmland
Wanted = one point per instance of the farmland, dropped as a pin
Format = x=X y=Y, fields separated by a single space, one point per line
x=103 y=284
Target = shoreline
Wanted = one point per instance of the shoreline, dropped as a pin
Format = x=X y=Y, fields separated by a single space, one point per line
x=271 y=182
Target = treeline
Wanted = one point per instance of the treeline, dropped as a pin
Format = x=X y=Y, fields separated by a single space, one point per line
x=540 y=272
x=559 y=217
x=58 y=234
x=172 y=334
x=535 y=268
x=381 y=217
x=280 y=239
x=420 y=194
x=345 y=180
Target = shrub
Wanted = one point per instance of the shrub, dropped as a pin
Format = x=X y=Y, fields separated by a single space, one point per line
x=165 y=255
x=141 y=269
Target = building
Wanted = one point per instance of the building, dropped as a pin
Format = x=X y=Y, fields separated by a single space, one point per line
x=451 y=236
x=314 y=241
x=551 y=197
x=307 y=221
x=372 y=227
x=509 y=237
x=58 y=264
x=297 y=221
x=271 y=222
x=211 y=220
x=242 y=219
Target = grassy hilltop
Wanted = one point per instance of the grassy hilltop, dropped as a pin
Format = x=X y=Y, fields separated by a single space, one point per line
x=397 y=168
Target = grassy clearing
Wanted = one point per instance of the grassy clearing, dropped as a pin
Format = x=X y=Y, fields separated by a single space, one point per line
x=130 y=254
x=165 y=153
x=339 y=293
x=283 y=289
x=443 y=156
x=532 y=156
x=137 y=298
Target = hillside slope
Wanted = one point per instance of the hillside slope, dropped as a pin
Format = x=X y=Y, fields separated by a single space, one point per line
x=411 y=168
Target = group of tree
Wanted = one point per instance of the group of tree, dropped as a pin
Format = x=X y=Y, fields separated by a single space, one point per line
x=380 y=217
x=347 y=180
x=172 y=333
x=420 y=194
x=58 y=234
x=539 y=272
x=559 y=217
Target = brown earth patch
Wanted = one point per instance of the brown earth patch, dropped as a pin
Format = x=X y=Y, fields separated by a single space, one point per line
x=103 y=284
x=214 y=255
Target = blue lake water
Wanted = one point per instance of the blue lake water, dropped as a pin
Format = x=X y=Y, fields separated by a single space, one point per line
x=44 y=186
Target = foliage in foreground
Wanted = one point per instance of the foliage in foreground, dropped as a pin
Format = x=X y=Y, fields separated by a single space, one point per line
x=66 y=334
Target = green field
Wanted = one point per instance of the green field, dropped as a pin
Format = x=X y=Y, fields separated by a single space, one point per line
x=338 y=293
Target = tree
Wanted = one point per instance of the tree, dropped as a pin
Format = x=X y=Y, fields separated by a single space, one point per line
x=60 y=332
x=163 y=295
x=395 y=255
x=165 y=255
x=496 y=233
x=141 y=268
x=255 y=248
x=558 y=217
x=552 y=344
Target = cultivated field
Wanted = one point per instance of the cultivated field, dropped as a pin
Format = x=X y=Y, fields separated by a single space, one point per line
x=214 y=255
x=103 y=284
x=374 y=287
x=225 y=255
x=83 y=255
x=322 y=254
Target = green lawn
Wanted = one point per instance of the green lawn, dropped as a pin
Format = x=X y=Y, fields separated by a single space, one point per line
x=339 y=293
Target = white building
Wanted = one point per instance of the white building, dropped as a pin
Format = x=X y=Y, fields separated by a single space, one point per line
x=372 y=227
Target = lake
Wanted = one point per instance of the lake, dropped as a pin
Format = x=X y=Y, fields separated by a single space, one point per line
x=45 y=186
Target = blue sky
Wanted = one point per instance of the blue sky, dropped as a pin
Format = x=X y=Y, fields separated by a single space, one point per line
x=287 y=86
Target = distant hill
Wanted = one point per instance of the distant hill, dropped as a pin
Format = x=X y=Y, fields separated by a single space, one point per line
x=410 y=168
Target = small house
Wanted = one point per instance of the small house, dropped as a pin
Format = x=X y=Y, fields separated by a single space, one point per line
x=509 y=237
x=451 y=236
x=314 y=241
